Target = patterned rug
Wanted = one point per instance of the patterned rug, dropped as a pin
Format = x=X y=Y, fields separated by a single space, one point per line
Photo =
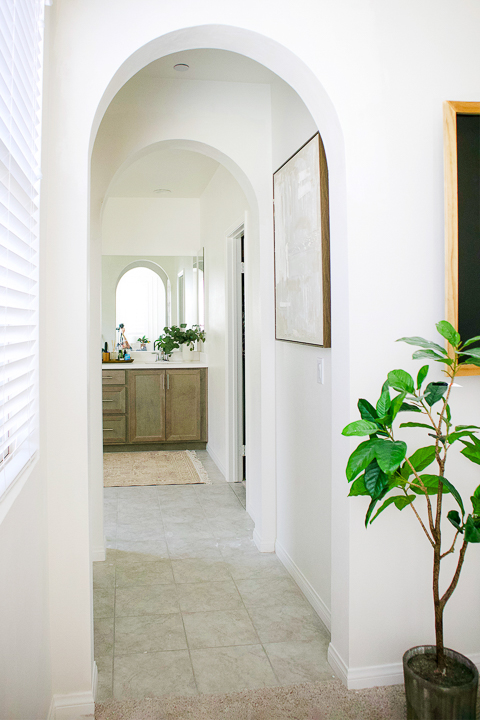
x=165 y=467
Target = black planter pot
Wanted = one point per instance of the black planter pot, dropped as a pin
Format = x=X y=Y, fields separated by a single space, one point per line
x=427 y=701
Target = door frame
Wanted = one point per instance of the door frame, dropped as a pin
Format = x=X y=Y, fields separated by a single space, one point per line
x=233 y=375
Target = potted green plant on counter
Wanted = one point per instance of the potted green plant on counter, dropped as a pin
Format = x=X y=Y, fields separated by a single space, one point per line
x=440 y=683
x=167 y=342
x=143 y=342
x=176 y=336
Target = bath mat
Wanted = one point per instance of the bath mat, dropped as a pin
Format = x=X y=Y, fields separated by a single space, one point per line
x=165 y=467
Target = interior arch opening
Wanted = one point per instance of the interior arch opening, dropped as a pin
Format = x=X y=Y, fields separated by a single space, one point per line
x=249 y=122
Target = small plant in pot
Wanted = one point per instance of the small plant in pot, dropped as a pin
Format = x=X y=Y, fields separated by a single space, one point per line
x=440 y=684
x=143 y=342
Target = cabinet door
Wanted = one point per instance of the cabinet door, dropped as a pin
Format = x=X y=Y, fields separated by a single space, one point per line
x=183 y=398
x=146 y=395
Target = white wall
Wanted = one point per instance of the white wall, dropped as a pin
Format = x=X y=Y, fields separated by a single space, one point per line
x=303 y=413
x=25 y=674
x=151 y=226
x=223 y=206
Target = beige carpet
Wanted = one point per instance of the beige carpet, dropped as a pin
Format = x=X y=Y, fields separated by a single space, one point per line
x=310 y=701
x=166 y=467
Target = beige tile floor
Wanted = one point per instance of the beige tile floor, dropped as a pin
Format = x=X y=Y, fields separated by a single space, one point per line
x=186 y=604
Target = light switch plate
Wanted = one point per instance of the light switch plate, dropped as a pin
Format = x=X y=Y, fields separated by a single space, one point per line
x=320 y=371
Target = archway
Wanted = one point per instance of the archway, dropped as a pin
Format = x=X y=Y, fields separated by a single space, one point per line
x=332 y=137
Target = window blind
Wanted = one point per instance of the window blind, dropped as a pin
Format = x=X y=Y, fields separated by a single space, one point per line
x=21 y=52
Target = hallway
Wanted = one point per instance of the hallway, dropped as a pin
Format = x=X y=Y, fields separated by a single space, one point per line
x=186 y=604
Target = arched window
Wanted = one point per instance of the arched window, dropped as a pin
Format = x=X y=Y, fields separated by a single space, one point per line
x=140 y=304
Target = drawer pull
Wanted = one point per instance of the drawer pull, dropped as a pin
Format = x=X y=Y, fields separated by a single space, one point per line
x=107 y=400
x=107 y=377
x=107 y=429
x=168 y=381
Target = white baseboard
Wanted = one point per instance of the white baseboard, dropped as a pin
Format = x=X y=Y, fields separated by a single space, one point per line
x=365 y=677
x=373 y=675
x=216 y=460
x=98 y=553
x=310 y=593
x=76 y=706
x=263 y=545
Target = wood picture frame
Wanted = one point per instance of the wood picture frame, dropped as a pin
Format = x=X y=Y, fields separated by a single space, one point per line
x=460 y=212
x=302 y=247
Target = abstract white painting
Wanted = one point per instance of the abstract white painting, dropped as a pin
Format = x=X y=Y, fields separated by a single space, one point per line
x=302 y=266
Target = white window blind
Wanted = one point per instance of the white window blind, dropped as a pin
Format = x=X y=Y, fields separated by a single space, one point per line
x=21 y=52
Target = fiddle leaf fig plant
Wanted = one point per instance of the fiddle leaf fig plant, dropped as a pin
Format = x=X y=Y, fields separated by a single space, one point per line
x=383 y=468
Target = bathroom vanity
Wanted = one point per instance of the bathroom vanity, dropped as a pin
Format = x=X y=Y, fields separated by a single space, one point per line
x=146 y=404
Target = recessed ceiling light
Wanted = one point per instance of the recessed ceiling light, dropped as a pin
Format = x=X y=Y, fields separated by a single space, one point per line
x=181 y=67
x=162 y=191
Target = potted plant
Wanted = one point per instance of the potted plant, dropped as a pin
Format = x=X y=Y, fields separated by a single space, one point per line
x=440 y=684
x=167 y=342
x=143 y=342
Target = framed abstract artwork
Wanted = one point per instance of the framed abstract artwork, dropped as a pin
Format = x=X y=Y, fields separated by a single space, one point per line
x=302 y=247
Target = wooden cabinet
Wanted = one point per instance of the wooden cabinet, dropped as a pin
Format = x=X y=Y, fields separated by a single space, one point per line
x=114 y=402
x=146 y=418
x=155 y=406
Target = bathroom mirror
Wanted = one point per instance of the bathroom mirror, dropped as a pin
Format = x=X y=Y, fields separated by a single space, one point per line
x=148 y=293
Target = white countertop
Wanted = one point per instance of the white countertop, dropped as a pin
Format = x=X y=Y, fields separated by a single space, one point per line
x=135 y=365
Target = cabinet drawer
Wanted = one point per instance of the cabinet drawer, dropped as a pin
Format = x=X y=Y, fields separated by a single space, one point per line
x=113 y=377
x=114 y=429
x=113 y=399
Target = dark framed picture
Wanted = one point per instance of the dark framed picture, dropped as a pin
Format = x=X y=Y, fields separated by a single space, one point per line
x=302 y=247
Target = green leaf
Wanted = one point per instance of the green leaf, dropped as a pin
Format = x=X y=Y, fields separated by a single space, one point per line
x=435 y=391
x=422 y=374
x=474 y=352
x=407 y=407
x=472 y=534
x=472 y=453
x=383 y=404
x=455 y=519
x=421 y=342
x=401 y=380
x=375 y=480
x=430 y=482
x=419 y=354
x=471 y=341
x=360 y=427
x=476 y=504
x=390 y=454
x=454 y=436
x=401 y=501
x=367 y=411
x=358 y=487
x=360 y=458
x=411 y=424
x=447 y=331
x=447 y=484
x=421 y=459
x=471 y=361
x=448 y=414
x=396 y=406
x=467 y=427
x=372 y=505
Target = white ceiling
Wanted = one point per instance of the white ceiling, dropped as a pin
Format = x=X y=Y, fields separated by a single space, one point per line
x=209 y=64
x=184 y=172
